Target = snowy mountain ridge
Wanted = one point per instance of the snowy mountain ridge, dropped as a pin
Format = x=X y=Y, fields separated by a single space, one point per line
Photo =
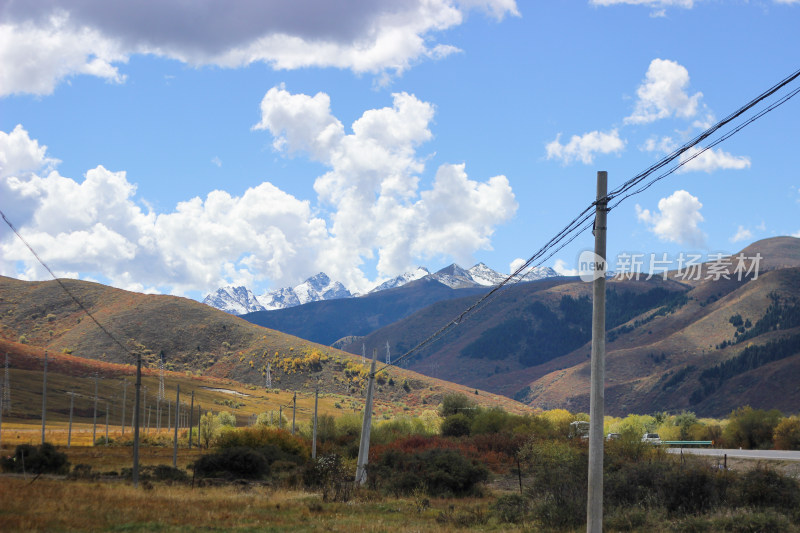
x=240 y=300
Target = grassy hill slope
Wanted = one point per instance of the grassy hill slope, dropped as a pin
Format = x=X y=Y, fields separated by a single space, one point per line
x=196 y=340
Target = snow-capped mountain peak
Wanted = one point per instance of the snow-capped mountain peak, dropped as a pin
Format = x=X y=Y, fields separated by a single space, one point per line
x=537 y=273
x=483 y=275
x=402 y=279
x=240 y=300
x=234 y=300
x=320 y=287
x=454 y=277
x=314 y=289
x=279 y=299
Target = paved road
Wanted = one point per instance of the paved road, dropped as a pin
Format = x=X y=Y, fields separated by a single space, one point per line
x=782 y=455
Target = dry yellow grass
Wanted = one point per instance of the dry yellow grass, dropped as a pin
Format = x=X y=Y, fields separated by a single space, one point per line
x=58 y=505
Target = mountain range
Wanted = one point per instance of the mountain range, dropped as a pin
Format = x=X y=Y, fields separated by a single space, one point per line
x=241 y=300
x=708 y=342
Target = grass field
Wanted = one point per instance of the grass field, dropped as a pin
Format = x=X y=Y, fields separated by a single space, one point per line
x=91 y=506
x=109 y=503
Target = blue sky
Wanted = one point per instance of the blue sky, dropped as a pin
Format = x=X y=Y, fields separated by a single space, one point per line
x=177 y=149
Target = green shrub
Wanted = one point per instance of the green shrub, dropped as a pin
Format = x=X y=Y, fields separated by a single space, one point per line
x=232 y=463
x=630 y=484
x=490 y=421
x=260 y=438
x=441 y=472
x=329 y=475
x=692 y=489
x=457 y=425
x=763 y=487
x=43 y=459
x=397 y=428
x=82 y=471
x=169 y=474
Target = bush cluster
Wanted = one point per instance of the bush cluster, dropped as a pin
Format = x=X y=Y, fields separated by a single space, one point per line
x=647 y=483
x=440 y=472
x=43 y=459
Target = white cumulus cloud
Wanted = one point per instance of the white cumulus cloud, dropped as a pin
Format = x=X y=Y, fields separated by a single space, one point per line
x=42 y=43
x=663 y=93
x=742 y=234
x=369 y=204
x=563 y=269
x=584 y=147
x=373 y=184
x=677 y=219
x=711 y=160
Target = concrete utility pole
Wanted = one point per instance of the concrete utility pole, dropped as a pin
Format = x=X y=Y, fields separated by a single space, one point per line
x=5 y=398
x=107 y=409
x=294 y=410
x=594 y=503
x=94 y=424
x=138 y=387
x=71 y=405
x=366 y=426
x=5 y=402
x=314 y=432
x=175 y=445
x=44 y=396
x=124 y=394
x=191 y=413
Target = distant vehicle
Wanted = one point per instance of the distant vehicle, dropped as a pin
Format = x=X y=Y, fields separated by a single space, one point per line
x=651 y=438
x=613 y=436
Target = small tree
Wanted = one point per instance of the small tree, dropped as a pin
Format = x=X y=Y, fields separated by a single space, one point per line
x=456 y=403
x=787 y=434
x=208 y=429
x=751 y=428
x=226 y=419
x=685 y=421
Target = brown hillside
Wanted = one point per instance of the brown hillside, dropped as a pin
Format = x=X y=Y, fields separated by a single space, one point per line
x=654 y=360
x=639 y=365
x=196 y=340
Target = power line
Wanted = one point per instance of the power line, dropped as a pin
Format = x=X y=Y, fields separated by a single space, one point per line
x=61 y=283
x=581 y=223
x=570 y=232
